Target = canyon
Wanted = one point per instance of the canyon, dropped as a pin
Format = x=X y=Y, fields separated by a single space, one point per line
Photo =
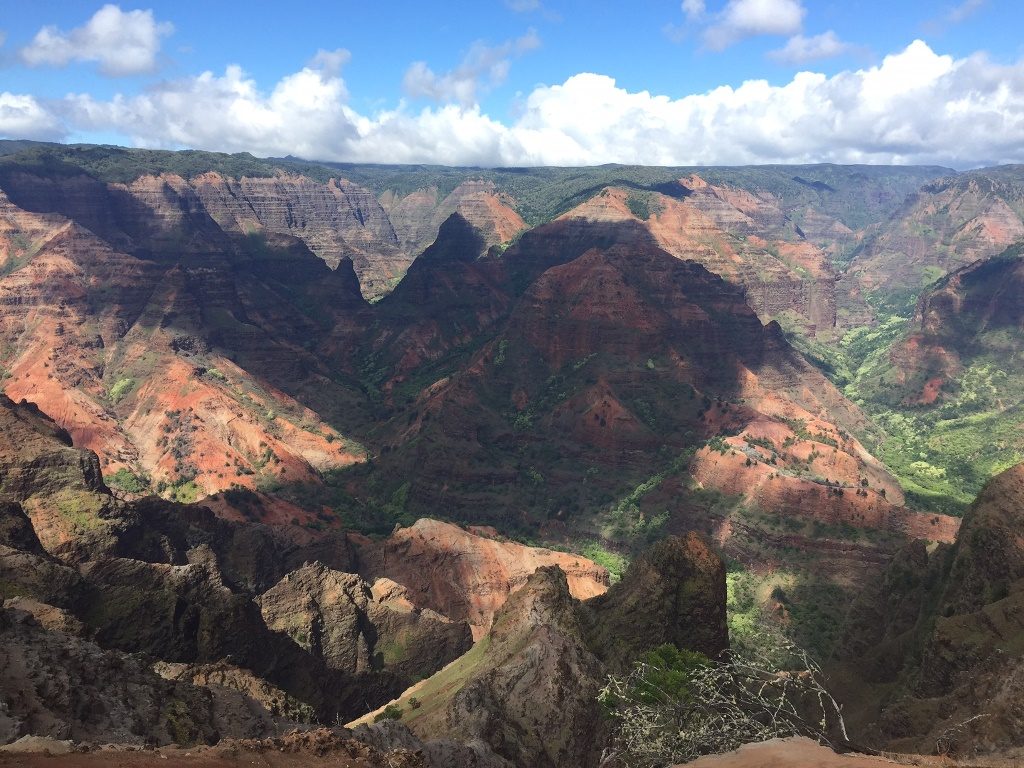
x=401 y=447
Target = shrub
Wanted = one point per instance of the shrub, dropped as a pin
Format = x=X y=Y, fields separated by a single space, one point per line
x=121 y=388
x=390 y=712
x=127 y=481
x=676 y=705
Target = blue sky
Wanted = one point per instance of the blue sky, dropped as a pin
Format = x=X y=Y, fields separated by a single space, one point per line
x=525 y=81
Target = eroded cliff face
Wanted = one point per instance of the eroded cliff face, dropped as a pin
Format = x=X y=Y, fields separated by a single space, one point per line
x=355 y=627
x=418 y=216
x=135 y=357
x=466 y=576
x=947 y=626
x=947 y=225
x=741 y=237
x=973 y=314
x=528 y=688
x=337 y=220
x=612 y=355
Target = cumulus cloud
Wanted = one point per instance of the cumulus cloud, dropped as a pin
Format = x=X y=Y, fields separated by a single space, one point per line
x=122 y=43
x=24 y=117
x=330 y=62
x=800 y=49
x=749 y=18
x=483 y=67
x=916 y=106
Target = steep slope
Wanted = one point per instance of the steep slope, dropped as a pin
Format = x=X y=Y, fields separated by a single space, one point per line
x=608 y=359
x=744 y=238
x=946 y=225
x=337 y=220
x=940 y=640
x=467 y=576
x=528 y=688
x=136 y=355
x=60 y=685
x=418 y=216
x=355 y=627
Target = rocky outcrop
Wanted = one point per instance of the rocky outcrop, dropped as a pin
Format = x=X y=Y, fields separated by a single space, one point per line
x=468 y=577
x=528 y=688
x=418 y=215
x=61 y=686
x=674 y=593
x=534 y=700
x=355 y=628
x=949 y=627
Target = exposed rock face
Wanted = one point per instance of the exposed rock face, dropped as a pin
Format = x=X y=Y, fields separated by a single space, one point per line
x=674 y=593
x=947 y=225
x=528 y=688
x=535 y=698
x=467 y=577
x=58 y=486
x=621 y=351
x=741 y=237
x=356 y=628
x=132 y=347
x=61 y=686
x=338 y=220
x=950 y=628
x=418 y=216
x=974 y=312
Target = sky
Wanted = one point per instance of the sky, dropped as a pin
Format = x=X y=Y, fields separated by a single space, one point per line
x=525 y=82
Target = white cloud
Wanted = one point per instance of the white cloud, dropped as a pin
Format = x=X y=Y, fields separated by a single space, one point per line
x=24 y=117
x=749 y=18
x=799 y=49
x=3 y=38
x=482 y=68
x=694 y=9
x=330 y=62
x=916 y=106
x=123 y=43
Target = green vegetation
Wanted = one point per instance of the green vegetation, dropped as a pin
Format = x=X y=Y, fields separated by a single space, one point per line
x=642 y=205
x=184 y=491
x=123 y=165
x=127 y=481
x=80 y=508
x=121 y=389
x=614 y=562
x=942 y=452
x=390 y=712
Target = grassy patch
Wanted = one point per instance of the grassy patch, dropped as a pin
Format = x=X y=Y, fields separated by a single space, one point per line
x=127 y=481
x=121 y=389
x=614 y=562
